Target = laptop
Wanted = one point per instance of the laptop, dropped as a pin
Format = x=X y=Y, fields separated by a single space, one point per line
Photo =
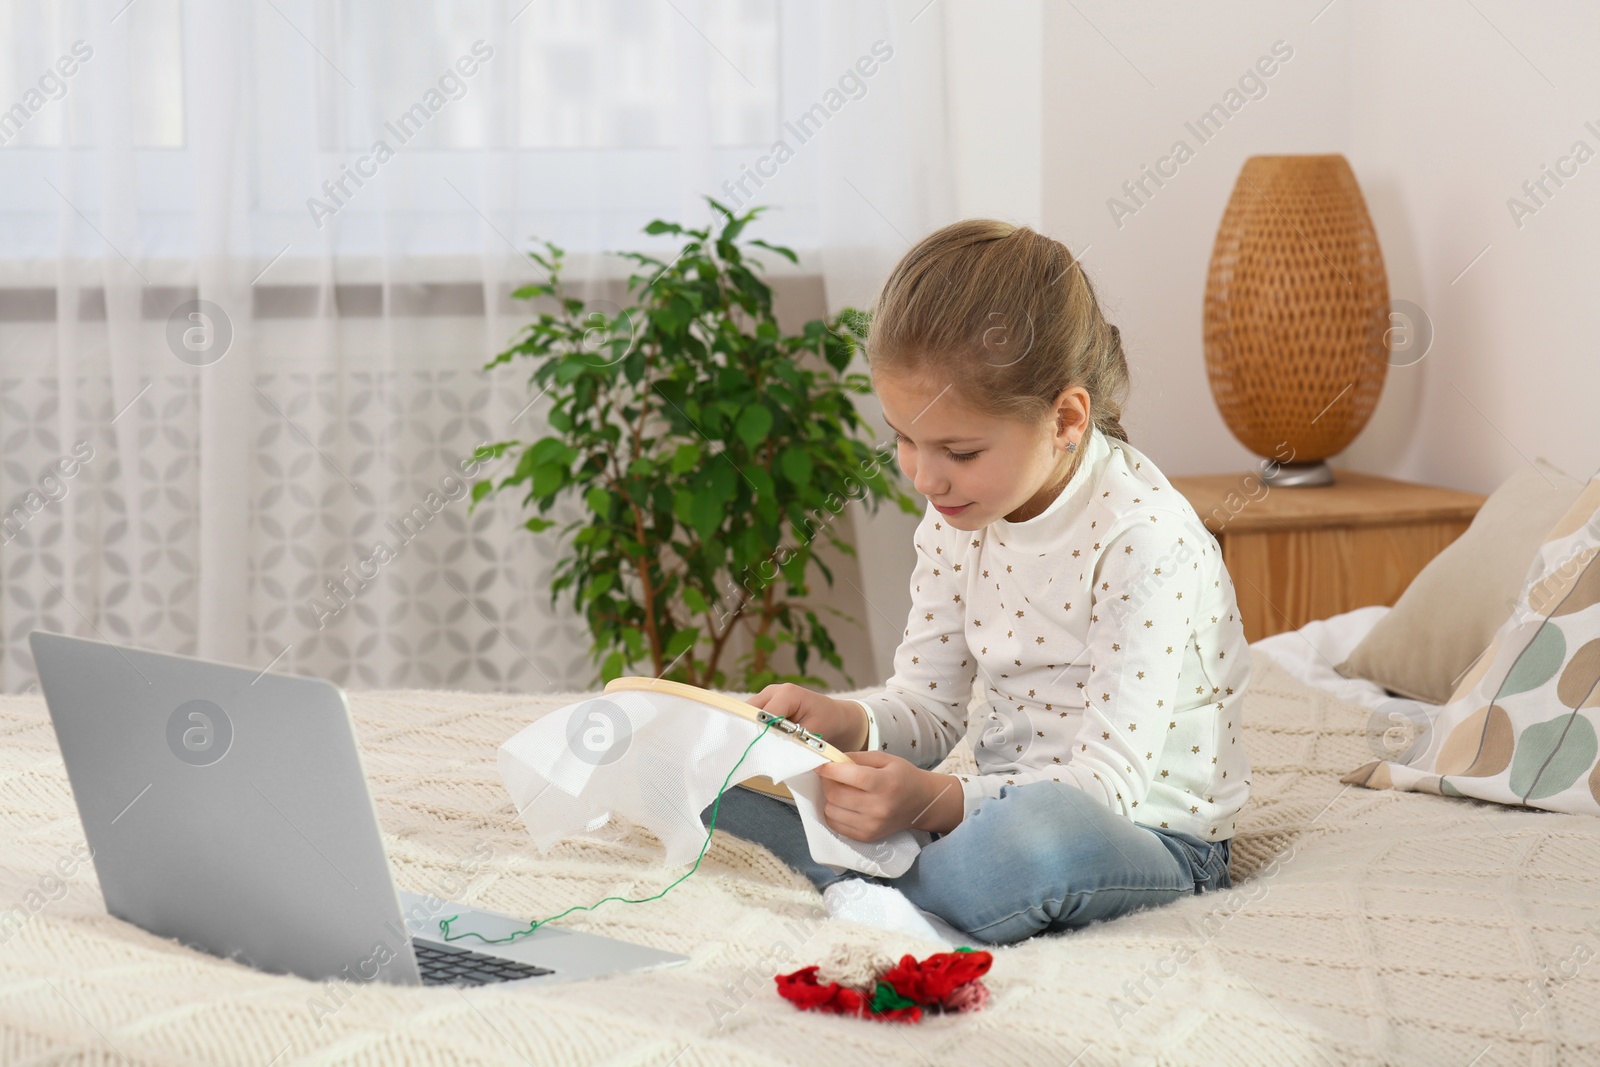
x=227 y=808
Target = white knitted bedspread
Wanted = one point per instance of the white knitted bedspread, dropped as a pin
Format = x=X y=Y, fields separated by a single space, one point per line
x=1364 y=927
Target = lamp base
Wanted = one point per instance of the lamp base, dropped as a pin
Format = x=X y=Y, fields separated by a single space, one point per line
x=1298 y=475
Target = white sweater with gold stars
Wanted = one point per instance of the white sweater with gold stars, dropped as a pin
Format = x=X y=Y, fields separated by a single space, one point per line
x=1106 y=637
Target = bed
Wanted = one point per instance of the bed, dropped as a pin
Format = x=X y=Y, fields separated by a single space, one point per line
x=1363 y=927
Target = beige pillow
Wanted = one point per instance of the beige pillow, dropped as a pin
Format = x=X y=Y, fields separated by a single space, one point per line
x=1451 y=610
x=1521 y=729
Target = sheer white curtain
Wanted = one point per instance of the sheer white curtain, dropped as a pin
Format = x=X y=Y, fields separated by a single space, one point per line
x=256 y=254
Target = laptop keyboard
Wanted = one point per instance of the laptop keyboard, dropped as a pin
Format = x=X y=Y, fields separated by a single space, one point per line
x=449 y=965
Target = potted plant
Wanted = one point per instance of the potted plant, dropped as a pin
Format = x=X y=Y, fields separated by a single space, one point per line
x=709 y=449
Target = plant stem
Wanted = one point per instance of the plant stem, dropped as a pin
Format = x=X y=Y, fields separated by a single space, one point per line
x=652 y=629
x=760 y=659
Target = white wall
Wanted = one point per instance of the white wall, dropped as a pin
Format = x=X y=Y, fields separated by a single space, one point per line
x=994 y=60
x=1451 y=111
x=1123 y=83
x=995 y=67
x=1443 y=110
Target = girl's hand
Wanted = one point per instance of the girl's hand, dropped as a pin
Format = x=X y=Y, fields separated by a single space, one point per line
x=879 y=794
x=841 y=723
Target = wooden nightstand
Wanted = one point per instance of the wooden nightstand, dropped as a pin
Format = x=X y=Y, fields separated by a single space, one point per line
x=1301 y=554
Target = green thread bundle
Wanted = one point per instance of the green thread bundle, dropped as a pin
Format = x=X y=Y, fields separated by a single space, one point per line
x=444 y=924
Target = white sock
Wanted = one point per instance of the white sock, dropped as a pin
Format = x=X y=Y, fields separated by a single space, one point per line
x=887 y=908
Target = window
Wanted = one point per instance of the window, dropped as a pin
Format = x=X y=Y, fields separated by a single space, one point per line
x=499 y=123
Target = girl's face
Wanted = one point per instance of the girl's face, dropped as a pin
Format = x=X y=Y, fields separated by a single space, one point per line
x=973 y=467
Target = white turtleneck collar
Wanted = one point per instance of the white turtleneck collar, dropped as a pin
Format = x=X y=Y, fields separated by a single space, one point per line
x=1069 y=503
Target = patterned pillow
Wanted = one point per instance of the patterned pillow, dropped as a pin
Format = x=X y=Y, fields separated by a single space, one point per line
x=1520 y=727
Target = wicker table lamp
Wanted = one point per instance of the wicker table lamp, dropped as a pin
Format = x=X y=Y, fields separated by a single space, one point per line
x=1296 y=314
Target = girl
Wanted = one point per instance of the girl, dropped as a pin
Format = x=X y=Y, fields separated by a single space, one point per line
x=1058 y=567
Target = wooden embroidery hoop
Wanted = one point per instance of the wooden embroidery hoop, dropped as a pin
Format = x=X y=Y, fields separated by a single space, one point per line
x=796 y=734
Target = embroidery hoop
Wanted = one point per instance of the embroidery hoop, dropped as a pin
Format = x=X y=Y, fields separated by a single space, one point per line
x=661 y=759
x=792 y=732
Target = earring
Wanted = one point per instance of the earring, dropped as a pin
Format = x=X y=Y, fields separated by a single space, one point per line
x=1071 y=446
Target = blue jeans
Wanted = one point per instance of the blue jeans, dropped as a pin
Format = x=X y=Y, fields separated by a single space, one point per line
x=1039 y=857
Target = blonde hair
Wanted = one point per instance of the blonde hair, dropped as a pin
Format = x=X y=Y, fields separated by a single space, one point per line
x=1005 y=315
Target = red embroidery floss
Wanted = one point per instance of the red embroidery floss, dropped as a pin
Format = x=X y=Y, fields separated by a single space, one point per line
x=944 y=983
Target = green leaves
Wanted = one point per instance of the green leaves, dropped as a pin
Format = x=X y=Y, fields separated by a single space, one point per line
x=673 y=317
x=796 y=466
x=695 y=451
x=724 y=479
x=547 y=479
x=685 y=458
x=755 y=422
x=705 y=513
x=682 y=641
x=548 y=450
x=784 y=252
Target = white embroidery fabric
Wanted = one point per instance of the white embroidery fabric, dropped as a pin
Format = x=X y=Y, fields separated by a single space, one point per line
x=657 y=760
